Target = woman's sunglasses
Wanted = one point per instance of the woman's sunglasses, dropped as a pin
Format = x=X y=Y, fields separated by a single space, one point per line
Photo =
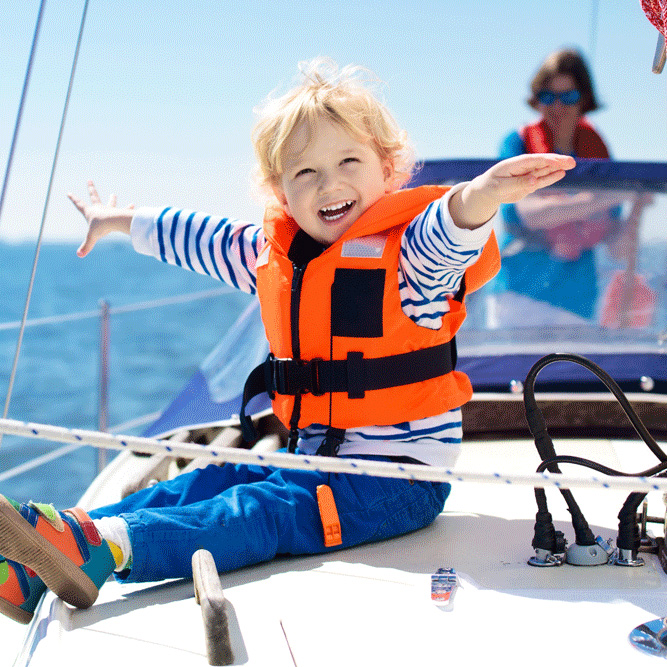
x=568 y=97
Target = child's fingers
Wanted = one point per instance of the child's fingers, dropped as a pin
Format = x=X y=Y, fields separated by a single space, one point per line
x=548 y=169
x=77 y=202
x=87 y=245
x=549 y=178
x=550 y=162
x=92 y=191
x=559 y=161
x=84 y=249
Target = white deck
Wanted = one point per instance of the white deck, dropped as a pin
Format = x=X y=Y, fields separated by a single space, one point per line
x=371 y=605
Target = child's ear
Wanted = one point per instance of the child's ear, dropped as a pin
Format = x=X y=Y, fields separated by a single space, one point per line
x=389 y=175
x=282 y=200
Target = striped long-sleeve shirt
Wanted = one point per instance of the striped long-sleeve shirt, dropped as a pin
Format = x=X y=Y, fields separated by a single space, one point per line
x=434 y=255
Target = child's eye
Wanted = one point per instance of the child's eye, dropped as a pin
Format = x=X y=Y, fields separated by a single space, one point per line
x=302 y=172
x=348 y=160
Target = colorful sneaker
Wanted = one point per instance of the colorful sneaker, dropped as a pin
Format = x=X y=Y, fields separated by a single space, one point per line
x=63 y=548
x=20 y=591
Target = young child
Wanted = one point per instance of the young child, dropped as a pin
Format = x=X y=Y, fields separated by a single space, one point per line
x=362 y=287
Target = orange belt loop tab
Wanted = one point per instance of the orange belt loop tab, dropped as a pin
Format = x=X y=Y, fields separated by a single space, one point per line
x=329 y=516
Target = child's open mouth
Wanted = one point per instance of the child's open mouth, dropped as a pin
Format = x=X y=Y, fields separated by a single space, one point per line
x=335 y=211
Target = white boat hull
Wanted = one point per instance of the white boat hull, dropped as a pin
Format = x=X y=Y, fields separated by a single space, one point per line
x=371 y=604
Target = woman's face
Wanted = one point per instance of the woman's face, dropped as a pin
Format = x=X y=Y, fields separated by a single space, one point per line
x=557 y=114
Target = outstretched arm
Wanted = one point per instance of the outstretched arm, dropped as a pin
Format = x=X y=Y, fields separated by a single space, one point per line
x=101 y=219
x=506 y=182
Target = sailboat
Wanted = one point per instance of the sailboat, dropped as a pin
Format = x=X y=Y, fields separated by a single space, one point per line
x=473 y=585
x=383 y=603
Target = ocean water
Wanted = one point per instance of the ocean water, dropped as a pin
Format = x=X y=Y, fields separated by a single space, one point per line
x=153 y=352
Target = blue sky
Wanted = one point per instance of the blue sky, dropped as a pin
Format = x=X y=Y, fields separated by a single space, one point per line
x=161 y=109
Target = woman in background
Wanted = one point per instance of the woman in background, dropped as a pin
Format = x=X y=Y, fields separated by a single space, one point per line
x=548 y=253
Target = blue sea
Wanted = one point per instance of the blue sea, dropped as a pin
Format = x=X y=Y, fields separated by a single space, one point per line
x=153 y=352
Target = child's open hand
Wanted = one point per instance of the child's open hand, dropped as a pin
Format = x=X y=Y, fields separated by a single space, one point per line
x=514 y=178
x=506 y=182
x=101 y=219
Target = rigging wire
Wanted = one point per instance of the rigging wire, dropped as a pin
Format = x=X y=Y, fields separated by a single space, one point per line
x=593 y=37
x=19 y=115
x=46 y=205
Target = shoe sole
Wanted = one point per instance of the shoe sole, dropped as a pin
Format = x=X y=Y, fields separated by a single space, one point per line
x=22 y=543
x=14 y=612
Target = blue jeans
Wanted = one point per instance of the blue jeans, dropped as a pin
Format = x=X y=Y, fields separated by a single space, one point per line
x=249 y=514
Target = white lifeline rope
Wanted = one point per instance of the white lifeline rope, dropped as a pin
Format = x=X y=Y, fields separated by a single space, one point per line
x=323 y=463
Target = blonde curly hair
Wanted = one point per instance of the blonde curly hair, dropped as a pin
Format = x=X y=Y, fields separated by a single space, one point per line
x=343 y=96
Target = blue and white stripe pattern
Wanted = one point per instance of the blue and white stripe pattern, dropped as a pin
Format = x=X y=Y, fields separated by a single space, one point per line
x=434 y=440
x=434 y=256
x=223 y=248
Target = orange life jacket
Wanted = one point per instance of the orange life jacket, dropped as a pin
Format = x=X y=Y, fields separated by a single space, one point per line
x=345 y=306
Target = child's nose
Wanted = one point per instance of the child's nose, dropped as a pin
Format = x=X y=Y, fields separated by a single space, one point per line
x=328 y=182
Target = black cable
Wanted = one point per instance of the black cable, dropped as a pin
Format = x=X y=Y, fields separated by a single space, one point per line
x=535 y=414
x=577 y=460
x=628 y=534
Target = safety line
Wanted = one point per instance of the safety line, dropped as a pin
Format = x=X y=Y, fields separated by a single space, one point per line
x=39 y=461
x=68 y=449
x=121 y=310
x=322 y=463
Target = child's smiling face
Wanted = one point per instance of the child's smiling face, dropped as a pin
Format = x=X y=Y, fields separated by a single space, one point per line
x=329 y=179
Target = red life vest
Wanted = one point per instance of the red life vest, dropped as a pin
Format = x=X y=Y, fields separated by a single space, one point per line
x=343 y=352
x=569 y=240
x=538 y=138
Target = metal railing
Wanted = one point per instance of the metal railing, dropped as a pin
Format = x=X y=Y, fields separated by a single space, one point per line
x=103 y=314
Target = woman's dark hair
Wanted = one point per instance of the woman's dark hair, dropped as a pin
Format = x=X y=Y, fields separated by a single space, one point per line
x=566 y=61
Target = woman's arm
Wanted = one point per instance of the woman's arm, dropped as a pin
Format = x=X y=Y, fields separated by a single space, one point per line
x=553 y=209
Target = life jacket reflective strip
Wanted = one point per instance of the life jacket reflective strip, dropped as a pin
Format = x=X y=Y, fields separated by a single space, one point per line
x=347 y=303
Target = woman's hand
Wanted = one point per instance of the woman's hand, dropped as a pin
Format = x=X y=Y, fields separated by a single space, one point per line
x=101 y=219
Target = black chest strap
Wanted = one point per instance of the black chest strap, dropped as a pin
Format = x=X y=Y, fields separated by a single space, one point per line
x=354 y=375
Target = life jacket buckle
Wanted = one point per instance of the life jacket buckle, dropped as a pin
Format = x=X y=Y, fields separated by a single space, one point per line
x=295 y=376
